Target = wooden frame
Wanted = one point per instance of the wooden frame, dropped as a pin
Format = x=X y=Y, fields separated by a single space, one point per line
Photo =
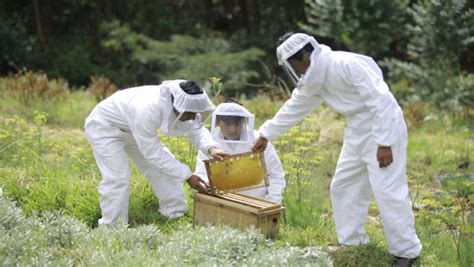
x=236 y=180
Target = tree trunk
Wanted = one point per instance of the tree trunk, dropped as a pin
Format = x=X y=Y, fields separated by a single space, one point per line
x=39 y=27
x=248 y=19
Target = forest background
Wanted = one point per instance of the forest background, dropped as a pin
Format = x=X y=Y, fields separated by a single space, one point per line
x=59 y=58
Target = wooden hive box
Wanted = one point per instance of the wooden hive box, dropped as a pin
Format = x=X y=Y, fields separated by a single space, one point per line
x=226 y=206
x=238 y=211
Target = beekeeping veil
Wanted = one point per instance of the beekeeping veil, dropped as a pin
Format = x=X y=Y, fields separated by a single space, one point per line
x=289 y=47
x=231 y=113
x=184 y=96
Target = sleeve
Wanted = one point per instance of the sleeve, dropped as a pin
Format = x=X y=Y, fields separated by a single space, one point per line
x=202 y=139
x=144 y=130
x=367 y=78
x=200 y=166
x=293 y=111
x=275 y=174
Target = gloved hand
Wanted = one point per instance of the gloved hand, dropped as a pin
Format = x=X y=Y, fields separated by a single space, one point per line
x=384 y=156
x=218 y=153
x=199 y=184
x=260 y=144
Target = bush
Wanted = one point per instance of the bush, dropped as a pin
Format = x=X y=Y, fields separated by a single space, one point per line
x=101 y=87
x=73 y=57
x=364 y=26
x=57 y=239
x=28 y=86
x=444 y=89
x=440 y=34
x=16 y=43
x=185 y=57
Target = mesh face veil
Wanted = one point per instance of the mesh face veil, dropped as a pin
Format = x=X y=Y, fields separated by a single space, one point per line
x=198 y=103
x=232 y=116
x=289 y=47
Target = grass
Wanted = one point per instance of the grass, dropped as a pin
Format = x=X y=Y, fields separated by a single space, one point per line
x=48 y=165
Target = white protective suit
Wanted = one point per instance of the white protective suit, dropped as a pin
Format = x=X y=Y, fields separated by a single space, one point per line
x=275 y=173
x=353 y=85
x=126 y=123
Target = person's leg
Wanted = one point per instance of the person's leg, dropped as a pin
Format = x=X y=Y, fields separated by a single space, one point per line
x=350 y=195
x=390 y=189
x=172 y=201
x=112 y=162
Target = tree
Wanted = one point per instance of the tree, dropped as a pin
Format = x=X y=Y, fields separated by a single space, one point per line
x=368 y=27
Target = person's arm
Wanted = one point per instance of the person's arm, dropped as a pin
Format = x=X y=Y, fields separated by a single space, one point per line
x=143 y=126
x=202 y=139
x=275 y=174
x=367 y=78
x=293 y=111
x=200 y=166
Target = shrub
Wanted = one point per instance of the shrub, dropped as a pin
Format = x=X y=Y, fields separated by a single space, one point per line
x=150 y=60
x=442 y=88
x=57 y=239
x=439 y=37
x=363 y=26
x=101 y=87
x=28 y=86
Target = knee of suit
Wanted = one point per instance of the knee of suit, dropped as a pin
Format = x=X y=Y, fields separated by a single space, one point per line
x=116 y=182
x=390 y=194
x=150 y=173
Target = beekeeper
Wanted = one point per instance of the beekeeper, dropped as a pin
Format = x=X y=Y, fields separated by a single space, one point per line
x=126 y=123
x=232 y=127
x=373 y=156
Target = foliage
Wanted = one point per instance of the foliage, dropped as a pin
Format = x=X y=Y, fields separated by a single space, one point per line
x=57 y=239
x=262 y=107
x=64 y=177
x=363 y=255
x=439 y=87
x=439 y=36
x=19 y=141
x=28 y=92
x=216 y=87
x=74 y=57
x=417 y=112
x=441 y=33
x=362 y=26
x=450 y=209
x=15 y=45
x=27 y=86
x=101 y=87
x=182 y=56
x=301 y=157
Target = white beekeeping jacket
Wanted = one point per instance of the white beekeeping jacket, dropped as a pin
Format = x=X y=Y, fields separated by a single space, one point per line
x=275 y=173
x=349 y=83
x=141 y=111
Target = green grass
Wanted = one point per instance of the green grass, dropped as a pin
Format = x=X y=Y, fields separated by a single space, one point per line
x=46 y=166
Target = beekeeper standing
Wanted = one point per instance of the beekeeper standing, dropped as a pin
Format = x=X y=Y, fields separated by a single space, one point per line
x=232 y=127
x=126 y=123
x=373 y=156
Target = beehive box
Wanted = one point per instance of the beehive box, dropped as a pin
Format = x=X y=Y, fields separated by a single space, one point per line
x=239 y=211
x=226 y=206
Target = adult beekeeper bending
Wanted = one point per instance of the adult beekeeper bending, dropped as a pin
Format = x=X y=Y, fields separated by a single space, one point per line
x=232 y=128
x=126 y=123
x=373 y=157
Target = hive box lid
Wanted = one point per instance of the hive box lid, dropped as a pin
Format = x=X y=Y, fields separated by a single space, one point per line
x=238 y=172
